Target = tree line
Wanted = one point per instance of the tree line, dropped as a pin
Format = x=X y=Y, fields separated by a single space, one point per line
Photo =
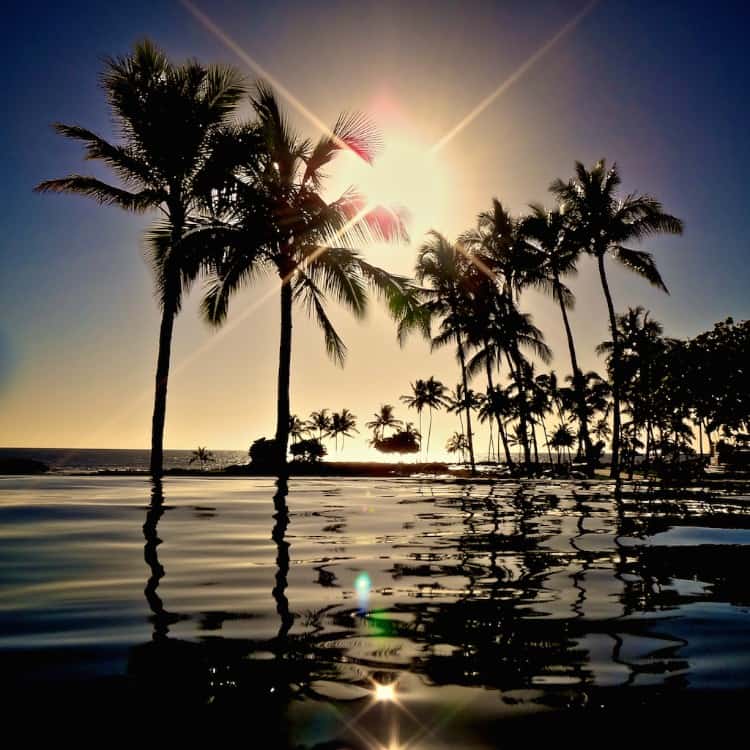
x=240 y=199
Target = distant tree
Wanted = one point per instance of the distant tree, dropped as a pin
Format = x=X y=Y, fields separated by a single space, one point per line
x=562 y=438
x=320 y=421
x=434 y=399
x=405 y=441
x=383 y=419
x=297 y=428
x=457 y=443
x=310 y=450
x=202 y=455
x=343 y=423
x=417 y=399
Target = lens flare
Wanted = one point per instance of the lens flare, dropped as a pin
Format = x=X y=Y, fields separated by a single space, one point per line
x=385 y=693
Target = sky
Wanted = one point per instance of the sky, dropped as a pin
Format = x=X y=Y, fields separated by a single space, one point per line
x=658 y=87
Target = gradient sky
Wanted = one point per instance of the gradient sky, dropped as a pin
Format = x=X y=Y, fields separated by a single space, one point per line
x=660 y=87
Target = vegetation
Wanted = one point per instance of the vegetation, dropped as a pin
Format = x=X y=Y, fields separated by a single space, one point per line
x=240 y=199
x=202 y=456
x=168 y=117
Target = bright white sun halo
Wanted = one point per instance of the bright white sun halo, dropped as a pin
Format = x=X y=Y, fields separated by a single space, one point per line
x=404 y=175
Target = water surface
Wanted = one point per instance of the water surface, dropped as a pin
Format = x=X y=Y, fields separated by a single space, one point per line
x=480 y=602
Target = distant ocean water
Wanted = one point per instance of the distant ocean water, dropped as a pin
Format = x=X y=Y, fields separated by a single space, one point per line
x=67 y=460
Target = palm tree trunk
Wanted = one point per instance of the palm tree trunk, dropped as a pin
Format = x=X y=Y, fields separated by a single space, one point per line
x=429 y=432
x=500 y=428
x=160 y=392
x=546 y=440
x=578 y=382
x=615 y=467
x=285 y=360
x=464 y=377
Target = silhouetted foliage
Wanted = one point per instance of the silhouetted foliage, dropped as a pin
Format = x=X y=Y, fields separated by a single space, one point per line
x=263 y=452
x=310 y=450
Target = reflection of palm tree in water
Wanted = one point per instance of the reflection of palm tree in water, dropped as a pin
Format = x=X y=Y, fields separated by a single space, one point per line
x=161 y=618
x=281 y=522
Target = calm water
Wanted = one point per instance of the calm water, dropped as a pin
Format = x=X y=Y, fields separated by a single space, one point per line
x=69 y=460
x=481 y=603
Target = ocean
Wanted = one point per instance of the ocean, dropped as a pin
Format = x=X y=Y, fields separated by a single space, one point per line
x=75 y=460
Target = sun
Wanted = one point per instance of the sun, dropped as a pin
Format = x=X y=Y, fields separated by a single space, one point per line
x=405 y=175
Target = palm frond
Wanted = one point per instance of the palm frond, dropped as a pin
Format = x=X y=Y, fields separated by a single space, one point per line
x=641 y=263
x=103 y=193
x=313 y=300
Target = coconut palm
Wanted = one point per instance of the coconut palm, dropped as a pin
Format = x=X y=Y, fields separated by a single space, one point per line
x=500 y=246
x=417 y=399
x=343 y=423
x=383 y=419
x=559 y=256
x=297 y=428
x=203 y=456
x=434 y=398
x=441 y=269
x=561 y=438
x=498 y=329
x=278 y=222
x=457 y=443
x=167 y=117
x=497 y=405
x=603 y=224
x=320 y=421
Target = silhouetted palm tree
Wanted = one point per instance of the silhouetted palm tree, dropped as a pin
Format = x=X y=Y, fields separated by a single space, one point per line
x=559 y=258
x=561 y=438
x=444 y=268
x=457 y=443
x=602 y=224
x=167 y=116
x=320 y=421
x=417 y=399
x=202 y=455
x=382 y=420
x=297 y=428
x=277 y=221
x=434 y=398
x=343 y=423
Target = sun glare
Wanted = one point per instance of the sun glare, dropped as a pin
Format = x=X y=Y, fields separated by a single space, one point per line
x=405 y=176
x=384 y=693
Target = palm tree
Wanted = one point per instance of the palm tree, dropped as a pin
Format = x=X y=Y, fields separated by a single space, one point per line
x=500 y=245
x=602 y=224
x=320 y=421
x=562 y=437
x=559 y=256
x=417 y=399
x=444 y=268
x=434 y=398
x=497 y=405
x=277 y=221
x=499 y=329
x=203 y=455
x=343 y=423
x=382 y=420
x=457 y=443
x=168 y=117
x=297 y=428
